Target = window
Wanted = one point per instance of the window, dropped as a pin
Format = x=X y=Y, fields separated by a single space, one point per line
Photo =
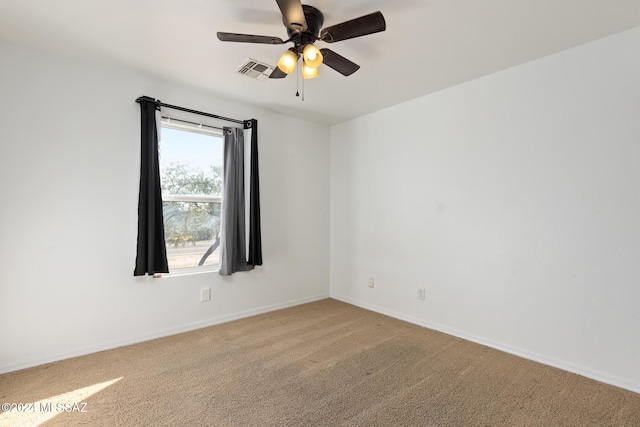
x=191 y=160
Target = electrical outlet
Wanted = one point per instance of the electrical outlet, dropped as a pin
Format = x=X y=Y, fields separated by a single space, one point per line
x=205 y=294
x=371 y=283
x=421 y=293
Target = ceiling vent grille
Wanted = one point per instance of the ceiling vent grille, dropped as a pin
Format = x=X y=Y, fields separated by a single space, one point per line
x=256 y=69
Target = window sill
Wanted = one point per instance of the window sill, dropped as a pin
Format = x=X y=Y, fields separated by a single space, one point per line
x=190 y=271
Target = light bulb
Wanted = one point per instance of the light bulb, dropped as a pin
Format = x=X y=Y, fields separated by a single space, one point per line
x=288 y=60
x=309 y=72
x=312 y=56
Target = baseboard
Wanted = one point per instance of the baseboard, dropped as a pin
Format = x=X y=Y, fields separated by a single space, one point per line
x=588 y=373
x=159 y=334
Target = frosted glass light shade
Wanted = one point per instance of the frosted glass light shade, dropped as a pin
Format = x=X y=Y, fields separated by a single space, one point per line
x=309 y=72
x=287 y=62
x=312 y=56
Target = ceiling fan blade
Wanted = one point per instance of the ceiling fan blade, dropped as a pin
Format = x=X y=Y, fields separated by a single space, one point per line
x=248 y=38
x=368 y=24
x=338 y=62
x=278 y=74
x=293 y=14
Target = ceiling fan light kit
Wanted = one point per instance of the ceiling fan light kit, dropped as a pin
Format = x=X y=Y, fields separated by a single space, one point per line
x=312 y=56
x=309 y=72
x=304 y=27
x=288 y=60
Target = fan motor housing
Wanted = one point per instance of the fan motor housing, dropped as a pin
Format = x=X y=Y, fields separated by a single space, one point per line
x=315 y=19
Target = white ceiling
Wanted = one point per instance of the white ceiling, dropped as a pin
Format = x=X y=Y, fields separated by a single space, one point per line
x=429 y=45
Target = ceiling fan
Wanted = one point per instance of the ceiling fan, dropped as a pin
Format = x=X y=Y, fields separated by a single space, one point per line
x=304 y=23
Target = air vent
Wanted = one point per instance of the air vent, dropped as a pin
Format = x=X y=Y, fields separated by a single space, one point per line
x=256 y=70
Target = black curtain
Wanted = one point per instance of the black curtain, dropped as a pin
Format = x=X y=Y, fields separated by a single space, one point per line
x=151 y=256
x=233 y=245
x=233 y=249
x=255 y=234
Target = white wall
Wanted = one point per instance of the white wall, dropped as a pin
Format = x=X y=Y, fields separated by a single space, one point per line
x=69 y=171
x=514 y=200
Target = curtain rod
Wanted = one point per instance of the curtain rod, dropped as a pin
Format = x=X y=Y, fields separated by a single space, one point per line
x=188 y=110
x=170 y=119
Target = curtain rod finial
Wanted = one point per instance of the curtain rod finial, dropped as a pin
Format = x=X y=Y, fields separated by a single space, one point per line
x=148 y=98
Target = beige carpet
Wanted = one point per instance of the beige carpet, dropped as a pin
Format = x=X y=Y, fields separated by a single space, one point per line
x=321 y=364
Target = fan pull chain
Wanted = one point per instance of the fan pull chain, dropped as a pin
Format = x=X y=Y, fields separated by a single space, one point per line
x=298 y=81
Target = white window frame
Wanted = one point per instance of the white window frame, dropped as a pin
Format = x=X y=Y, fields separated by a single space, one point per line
x=188 y=126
